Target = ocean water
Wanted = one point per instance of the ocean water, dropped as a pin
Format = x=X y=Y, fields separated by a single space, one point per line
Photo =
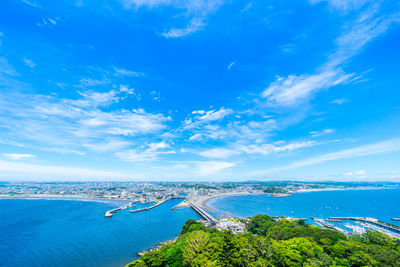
x=75 y=233
x=381 y=204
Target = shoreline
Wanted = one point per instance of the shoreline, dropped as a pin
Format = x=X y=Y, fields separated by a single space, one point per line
x=201 y=202
x=67 y=198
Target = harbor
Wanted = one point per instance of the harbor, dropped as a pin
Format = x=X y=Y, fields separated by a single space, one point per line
x=358 y=225
x=110 y=213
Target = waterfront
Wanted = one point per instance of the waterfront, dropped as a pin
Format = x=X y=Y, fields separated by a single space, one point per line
x=382 y=204
x=38 y=232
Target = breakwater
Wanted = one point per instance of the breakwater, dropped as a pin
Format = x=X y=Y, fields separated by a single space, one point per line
x=385 y=225
x=155 y=205
x=110 y=213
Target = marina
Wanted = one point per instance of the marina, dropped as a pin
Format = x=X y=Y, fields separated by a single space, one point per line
x=358 y=225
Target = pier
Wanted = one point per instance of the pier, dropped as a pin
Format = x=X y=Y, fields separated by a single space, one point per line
x=151 y=207
x=205 y=215
x=324 y=223
x=110 y=213
x=384 y=225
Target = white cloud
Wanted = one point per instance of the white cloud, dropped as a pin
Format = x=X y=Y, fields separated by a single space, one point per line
x=14 y=156
x=73 y=124
x=126 y=73
x=201 y=112
x=193 y=25
x=296 y=89
x=31 y=3
x=202 y=117
x=108 y=146
x=231 y=65
x=361 y=172
x=36 y=171
x=266 y=149
x=151 y=153
x=387 y=146
x=260 y=149
x=87 y=82
x=197 y=13
x=343 y=4
x=219 y=153
x=29 y=62
x=321 y=133
x=48 y=22
x=339 y=101
x=205 y=168
x=96 y=99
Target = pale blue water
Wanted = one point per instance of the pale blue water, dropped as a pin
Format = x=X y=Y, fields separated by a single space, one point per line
x=381 y=204
x=75 y=233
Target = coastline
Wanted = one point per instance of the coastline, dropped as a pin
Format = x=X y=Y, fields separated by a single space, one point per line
x=70 y=198
x=201 y=202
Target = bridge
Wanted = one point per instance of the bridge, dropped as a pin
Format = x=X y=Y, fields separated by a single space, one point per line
x=202 y=213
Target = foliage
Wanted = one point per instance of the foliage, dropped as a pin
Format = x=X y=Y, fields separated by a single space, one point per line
x=273 y=243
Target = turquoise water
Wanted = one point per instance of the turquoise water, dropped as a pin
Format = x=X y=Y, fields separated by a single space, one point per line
x=75 y=233
x=380 y=204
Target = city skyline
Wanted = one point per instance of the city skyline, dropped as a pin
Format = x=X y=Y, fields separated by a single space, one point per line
x=171 y=90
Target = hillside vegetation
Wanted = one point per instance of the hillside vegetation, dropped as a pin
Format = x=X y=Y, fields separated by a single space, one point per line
x=273 y=243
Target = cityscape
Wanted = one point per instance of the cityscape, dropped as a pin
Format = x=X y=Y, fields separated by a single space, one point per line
x=199 y=133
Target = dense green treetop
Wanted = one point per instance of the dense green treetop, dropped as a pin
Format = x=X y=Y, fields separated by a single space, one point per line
x=273 y=243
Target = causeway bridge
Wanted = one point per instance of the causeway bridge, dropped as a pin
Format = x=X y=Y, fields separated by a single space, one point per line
x=205 y=215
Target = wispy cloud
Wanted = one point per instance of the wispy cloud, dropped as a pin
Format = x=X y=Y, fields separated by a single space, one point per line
x=37 y=171
x=205 y=168
x=192 y=26
x=74 y=124
x=31 y=3
x=296 y=89
x=197 y=13
x=151 y=152
x=219 y=153
x=339 y=101
x=391 y=145
x=343 y=4
x=253 y=149
x=231 y=65
x=29 y=62
x=126 y=73
x=321 y=133
x=14 y=156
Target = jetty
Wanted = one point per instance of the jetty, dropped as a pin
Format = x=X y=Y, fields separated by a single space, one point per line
x=326 y=224
x=205 y=215
x=151 y=207
x=110 y=213
x=370 y=220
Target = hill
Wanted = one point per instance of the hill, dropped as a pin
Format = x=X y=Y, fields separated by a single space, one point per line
x=273 y=243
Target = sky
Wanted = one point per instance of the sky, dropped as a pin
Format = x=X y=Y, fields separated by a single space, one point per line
x=206 y=90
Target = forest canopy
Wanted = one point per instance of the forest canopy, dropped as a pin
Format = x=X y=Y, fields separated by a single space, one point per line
x=273 y=243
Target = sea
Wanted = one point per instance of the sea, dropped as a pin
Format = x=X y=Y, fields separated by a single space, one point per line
x=49 y=232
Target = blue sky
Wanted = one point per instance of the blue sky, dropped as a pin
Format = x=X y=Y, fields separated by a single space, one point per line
x=207 y=90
